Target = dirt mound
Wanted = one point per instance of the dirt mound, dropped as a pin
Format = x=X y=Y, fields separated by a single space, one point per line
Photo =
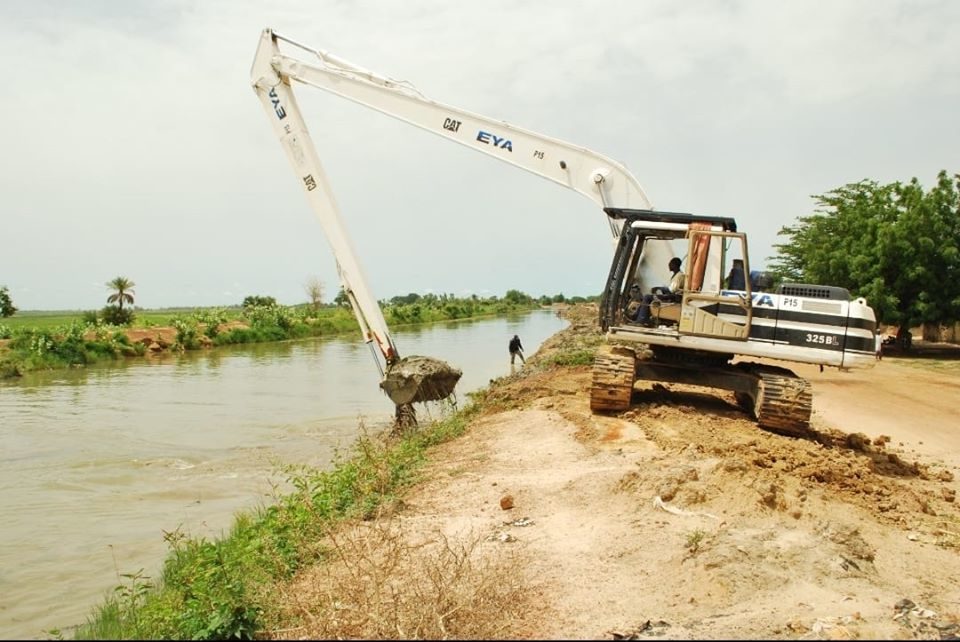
x=694 y=522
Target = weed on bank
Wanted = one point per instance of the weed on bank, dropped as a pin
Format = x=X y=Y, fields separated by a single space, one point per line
x=231 y=587
x=216 y=589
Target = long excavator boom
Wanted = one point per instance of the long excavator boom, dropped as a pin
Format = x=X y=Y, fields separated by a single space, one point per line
x=406 y=381
x=603 y=180
x=273 y=75
x=693 y=336
x=278 y=100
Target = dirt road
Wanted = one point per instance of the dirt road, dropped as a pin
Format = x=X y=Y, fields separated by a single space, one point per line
x=681 y=519
x=915 y=405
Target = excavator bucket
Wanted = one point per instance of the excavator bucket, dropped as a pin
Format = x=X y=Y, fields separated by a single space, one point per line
x=418 y=379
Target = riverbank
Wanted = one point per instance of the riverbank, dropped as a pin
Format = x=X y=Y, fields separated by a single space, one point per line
x=535 y=518
x=81 y=341
x=678 y=518
x=100 y=462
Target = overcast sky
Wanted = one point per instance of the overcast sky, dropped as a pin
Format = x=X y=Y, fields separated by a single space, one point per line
x=133 y=144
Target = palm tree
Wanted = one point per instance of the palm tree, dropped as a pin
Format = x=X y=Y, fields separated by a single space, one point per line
x=123 y=291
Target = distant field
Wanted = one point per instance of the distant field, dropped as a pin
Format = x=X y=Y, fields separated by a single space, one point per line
x=144 y=318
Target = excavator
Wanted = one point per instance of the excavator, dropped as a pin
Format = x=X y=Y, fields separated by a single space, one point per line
x=704 y=335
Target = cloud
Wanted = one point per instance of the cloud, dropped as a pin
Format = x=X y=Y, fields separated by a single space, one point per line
x=136 y=145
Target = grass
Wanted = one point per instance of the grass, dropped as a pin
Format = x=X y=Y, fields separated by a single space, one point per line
x=695 y=540
x=144 y=318
x=214 y=589
x=379 y=585
x=947 y=532
x=372 y=584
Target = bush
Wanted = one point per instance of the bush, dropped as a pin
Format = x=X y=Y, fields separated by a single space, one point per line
x=211 y=319
x=117 y=316
x=517 y=297
x=187 y=332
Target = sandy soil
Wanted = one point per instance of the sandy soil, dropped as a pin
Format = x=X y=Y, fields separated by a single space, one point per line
x=160 y=338
x=680 y=518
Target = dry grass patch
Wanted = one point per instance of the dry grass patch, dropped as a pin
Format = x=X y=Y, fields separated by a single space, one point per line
x=378 y=584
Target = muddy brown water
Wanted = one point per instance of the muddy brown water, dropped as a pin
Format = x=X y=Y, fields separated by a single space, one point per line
x=98 y=463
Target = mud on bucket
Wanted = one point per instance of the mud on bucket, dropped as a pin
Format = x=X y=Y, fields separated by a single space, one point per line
x=418 y=379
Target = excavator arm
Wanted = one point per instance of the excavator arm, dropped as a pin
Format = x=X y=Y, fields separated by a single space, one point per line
x=607 y=183
x=603 y=180
x=278 y=100
x=804 y=323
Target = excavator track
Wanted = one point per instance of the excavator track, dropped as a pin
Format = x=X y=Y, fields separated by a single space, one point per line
x=613 y=376
x=782 y=403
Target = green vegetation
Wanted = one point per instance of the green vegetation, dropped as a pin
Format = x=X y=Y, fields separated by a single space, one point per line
x=950 y=367
x=122 y=291
x=897 y=245
x=144 y=318
x=580 y=352
x=257 y=300
x=6 y=303
x=74 y=344
x=230 y=587
x=40 y=341
x=695 y=540
x=222 y=589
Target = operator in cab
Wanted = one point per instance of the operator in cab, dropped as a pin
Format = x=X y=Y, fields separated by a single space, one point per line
x=670 y=293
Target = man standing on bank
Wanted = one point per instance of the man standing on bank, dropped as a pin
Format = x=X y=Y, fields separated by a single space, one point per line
x=516 y=350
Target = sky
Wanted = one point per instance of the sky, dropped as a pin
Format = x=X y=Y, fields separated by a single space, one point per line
x=134 y=145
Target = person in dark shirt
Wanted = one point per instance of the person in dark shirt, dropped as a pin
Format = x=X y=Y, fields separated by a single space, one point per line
x=516 y=350
x=736 y=279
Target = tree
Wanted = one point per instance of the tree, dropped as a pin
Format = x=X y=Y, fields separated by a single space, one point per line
x=6 y=303
x=516 y=296
x=255 y=300
x=408 y=299
x=114 y=315
x=896 y=245
x=341 y=299
x=314 y=289
x=122 y=291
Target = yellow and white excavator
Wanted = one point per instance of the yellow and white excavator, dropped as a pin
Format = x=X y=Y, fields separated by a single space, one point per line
x=698 y=335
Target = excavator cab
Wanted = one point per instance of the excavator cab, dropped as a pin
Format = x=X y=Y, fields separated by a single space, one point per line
x=715 y=300
x=710 y=306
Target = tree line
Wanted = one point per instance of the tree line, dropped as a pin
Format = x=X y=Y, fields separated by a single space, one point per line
x=121 y=292
x=895 y=244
